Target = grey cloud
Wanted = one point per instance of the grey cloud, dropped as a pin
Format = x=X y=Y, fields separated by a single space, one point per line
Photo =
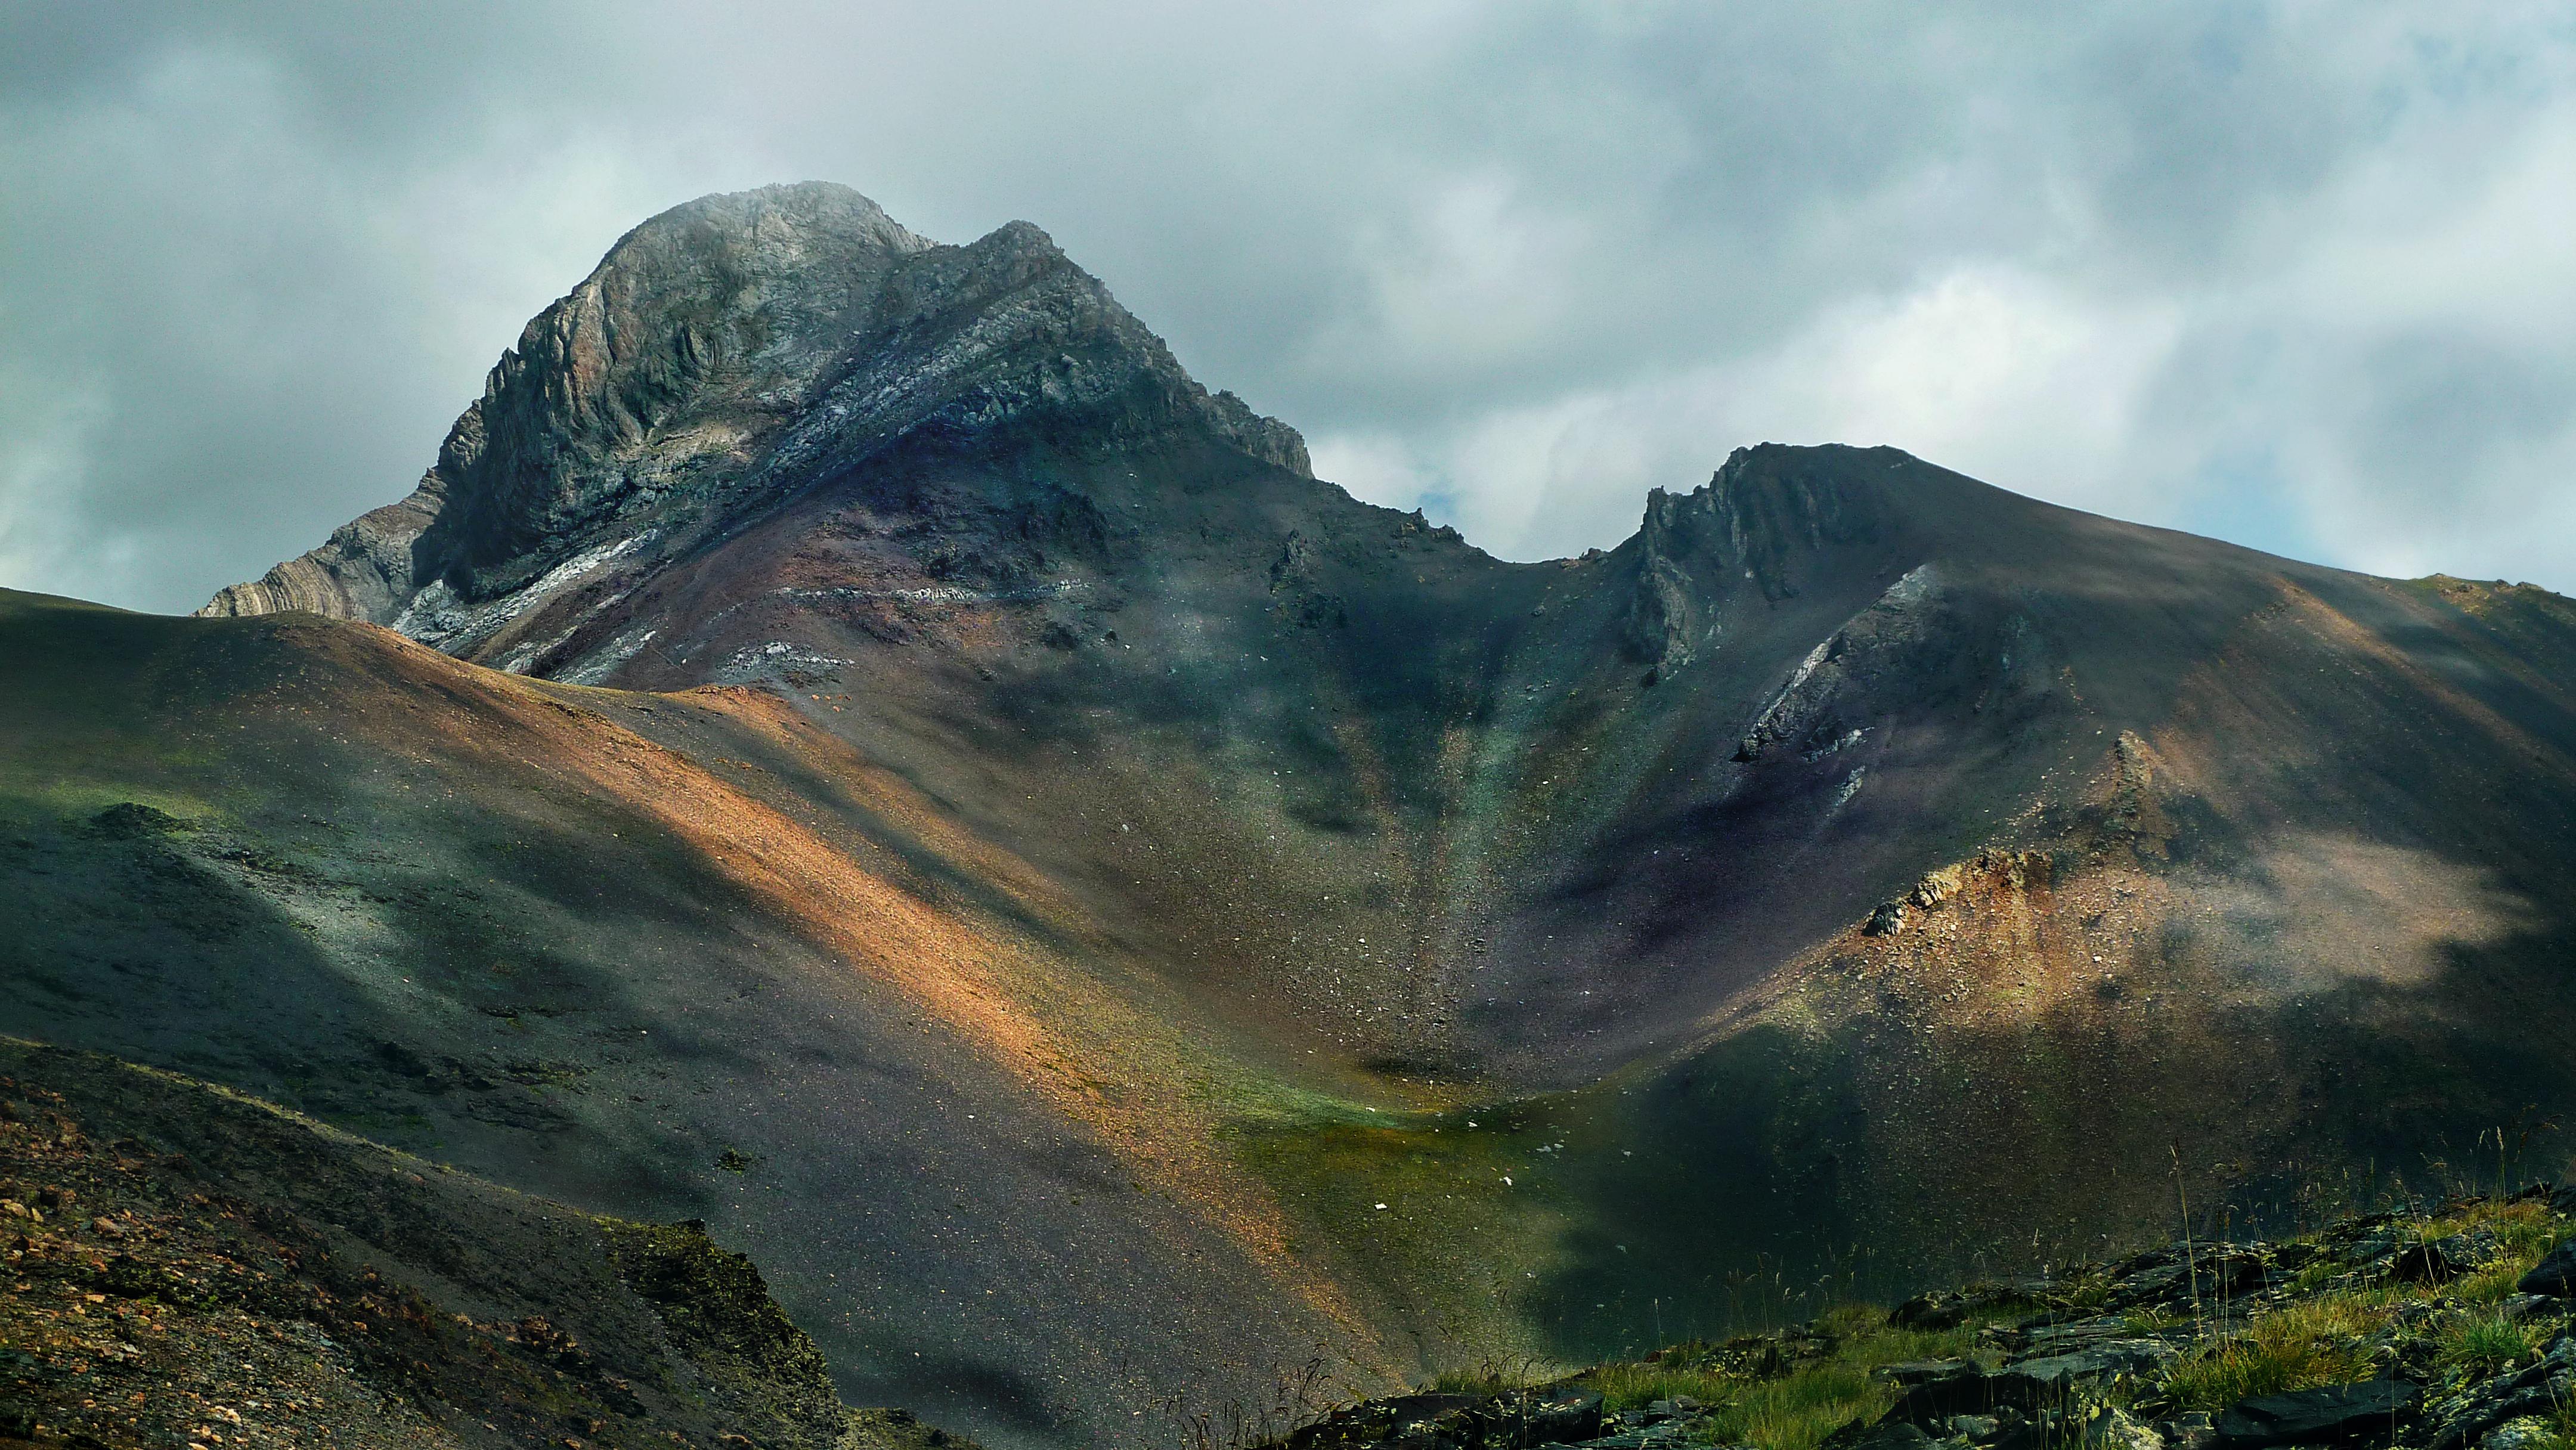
x=1520 y=261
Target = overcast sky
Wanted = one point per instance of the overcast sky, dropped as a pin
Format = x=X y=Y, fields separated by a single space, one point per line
x=2300 y=276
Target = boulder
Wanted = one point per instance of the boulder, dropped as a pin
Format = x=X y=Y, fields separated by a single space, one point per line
x=2555 y=1274
x=132 y=821
x=2042 y=1431
x=2060 y=1337
x=1650 y=1437
x=2523 y=1432
x=2107 y=1360
x=1912 y=1372
x=1424 y=1421
x=2204 y=1279
x=2439 y=1261
x=1973 y=1393
x=1942 y=1309
x=1938 y=1391
x=1938 y=1400
x=1561 y=1417
x=2117 y=1429
x=2318 y=1416
x=1889 y=1433
x=1435 y=1422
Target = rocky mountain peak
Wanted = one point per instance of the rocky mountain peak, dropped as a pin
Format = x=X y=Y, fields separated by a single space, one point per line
x=1773 y=505
x=723 y=355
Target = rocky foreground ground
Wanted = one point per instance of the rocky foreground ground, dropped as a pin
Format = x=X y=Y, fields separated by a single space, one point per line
x=2448 y=1329
x=184 y=1268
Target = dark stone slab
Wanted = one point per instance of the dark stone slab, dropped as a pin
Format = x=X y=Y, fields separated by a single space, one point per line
x=2554 y=1275
x=2316 y=1417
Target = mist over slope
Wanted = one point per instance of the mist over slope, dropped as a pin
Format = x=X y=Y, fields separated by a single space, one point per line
x=1082 y=866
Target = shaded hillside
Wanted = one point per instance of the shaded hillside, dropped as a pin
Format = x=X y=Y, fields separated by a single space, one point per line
x=191 y=1265
x=910 y=695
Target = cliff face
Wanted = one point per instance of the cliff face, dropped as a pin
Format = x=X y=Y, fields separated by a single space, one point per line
x=1858 y=854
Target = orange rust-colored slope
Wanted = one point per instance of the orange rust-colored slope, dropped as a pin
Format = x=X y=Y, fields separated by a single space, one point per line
x=887 y=797
x=1119 y=1067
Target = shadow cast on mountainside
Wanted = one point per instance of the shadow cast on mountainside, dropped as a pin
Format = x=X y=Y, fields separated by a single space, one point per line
x=212 y=953
x=1872 y=1156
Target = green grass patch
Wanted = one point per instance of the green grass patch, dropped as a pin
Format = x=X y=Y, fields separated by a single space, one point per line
x=2524 y=1233
x=1420 y=1204
x=1799 y=1411
x=1496 y=1378
x=2529 y=1233
x=2483 y=1344
x=2315 y=1276
x=1793 y=1410
x=2299 y=1347
x=1626 y=1386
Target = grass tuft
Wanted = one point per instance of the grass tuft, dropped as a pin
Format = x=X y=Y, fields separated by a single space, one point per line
x=1626 y=1386
x=2483 y=1344
x=1799 y=1411
x=1492 y=1378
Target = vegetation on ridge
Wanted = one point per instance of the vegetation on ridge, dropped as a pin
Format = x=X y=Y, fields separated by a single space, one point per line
x=2160 y=1350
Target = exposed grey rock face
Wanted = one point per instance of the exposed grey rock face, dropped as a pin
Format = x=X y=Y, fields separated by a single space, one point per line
x=1760 y=521
x=364 y=571
x=1668 y=620
x=722 y=355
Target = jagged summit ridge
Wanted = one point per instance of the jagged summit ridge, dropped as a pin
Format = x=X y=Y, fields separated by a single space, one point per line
x=1759 y=522
x=723 y=353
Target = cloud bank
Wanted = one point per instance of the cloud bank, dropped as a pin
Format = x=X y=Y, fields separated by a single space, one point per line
x=2296 y=275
